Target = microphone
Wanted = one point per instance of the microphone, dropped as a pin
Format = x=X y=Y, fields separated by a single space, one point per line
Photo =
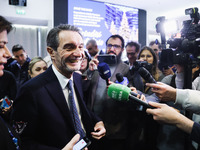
x=121 y=80
x=104 y=71
x=146 y=75
x=123 y=93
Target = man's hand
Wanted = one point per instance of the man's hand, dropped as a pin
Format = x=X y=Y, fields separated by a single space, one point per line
x=73 y=141
x=163 y=113
x=168 y=71
x=100 y=130
x=93 y=63
x=166 y=114
x=163 y=91
x=8 y=109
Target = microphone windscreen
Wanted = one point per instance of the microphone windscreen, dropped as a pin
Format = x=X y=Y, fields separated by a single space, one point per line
x=118 y=92
x=104 y=70
x=119 y=77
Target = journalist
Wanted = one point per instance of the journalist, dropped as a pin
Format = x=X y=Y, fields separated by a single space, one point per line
x=186 y=98
x=166 y=114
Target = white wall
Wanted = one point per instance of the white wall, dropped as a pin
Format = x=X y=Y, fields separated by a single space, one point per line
x=37 y=12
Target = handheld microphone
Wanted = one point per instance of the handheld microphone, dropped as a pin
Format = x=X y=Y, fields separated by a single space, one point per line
x=121 y=80
x=123 y=93
x=104 y=71
x=124 y=81
x=145 y=74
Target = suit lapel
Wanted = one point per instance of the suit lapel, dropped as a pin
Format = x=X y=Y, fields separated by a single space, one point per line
x=56 y=92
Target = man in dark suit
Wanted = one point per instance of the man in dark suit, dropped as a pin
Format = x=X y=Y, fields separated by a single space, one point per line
x=42 y=110
x=117 y=116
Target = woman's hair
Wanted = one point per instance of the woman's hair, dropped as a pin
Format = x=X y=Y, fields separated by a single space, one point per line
x=33 y=61
x=154 y=71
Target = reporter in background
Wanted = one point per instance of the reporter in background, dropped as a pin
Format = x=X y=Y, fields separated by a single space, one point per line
x=157 y=47
x=36 y=66
x=92 y=47
x=147 y=54
x=150 y=127
x=165 y=114
x=19 y=66
x=121 y=119
x=132 y=50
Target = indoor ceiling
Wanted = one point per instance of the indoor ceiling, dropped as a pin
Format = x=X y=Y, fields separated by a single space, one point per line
x=156 y=8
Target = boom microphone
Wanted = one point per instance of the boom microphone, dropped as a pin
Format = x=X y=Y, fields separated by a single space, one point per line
x=123 y=93
x=121 y=80
x=104 y=71
x=146 y=75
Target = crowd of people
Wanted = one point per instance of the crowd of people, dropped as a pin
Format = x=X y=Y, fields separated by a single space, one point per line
x=54 y=106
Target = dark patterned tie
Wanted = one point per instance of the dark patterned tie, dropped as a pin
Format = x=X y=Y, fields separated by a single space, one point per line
x=74 y=111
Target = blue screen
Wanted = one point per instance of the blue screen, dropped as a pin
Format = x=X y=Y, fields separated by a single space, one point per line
x=99 y=20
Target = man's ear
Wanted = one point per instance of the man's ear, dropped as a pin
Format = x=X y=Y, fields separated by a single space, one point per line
x=51 y=52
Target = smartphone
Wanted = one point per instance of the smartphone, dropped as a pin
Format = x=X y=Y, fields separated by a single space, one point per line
x=5 y=103
x=84 y=142
x=107 y=58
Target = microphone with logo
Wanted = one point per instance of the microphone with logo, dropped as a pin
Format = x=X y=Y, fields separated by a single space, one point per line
x=104 y=71
x=145 y=74
x=123 y=93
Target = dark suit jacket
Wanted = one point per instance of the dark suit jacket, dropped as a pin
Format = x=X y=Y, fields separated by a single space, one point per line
x=114 y=113
x=41 y=104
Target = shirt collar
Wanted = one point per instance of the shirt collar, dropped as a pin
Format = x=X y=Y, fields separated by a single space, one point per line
x=61 y=78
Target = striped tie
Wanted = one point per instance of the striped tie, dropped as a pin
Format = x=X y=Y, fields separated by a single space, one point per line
x=74 y=111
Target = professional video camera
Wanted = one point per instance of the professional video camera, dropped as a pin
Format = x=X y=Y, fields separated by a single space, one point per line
x=139 y=64
x=186 y=49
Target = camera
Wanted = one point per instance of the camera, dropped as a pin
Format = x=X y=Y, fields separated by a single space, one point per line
x=186 y=49
x=138 y=64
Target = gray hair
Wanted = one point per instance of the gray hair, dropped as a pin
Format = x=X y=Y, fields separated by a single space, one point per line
x=53 y=35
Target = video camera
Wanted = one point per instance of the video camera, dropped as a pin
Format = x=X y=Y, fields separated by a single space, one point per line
x=186 y=49
x=138 y=64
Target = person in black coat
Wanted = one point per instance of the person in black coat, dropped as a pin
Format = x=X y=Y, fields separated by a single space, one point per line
x=8 y=137
x=42 y=106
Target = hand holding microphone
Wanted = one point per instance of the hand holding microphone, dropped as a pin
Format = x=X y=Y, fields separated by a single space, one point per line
x=124 y=81
x=123 y=93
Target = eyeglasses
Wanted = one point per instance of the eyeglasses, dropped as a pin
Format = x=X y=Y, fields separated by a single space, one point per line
x=114 y=46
